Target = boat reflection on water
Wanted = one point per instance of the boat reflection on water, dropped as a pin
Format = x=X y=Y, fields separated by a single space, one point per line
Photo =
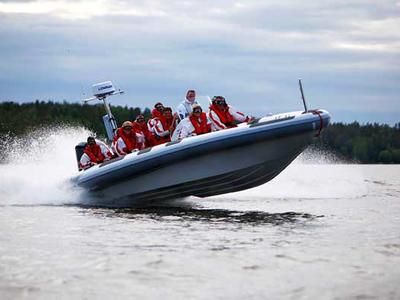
x=210 y=216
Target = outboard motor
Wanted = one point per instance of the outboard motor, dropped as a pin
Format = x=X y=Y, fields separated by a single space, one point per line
x=79 y=152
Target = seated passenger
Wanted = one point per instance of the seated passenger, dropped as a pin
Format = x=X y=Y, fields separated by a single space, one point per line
x=125 y=139
x=163 y=126
x=223 y=116
x=157 y=110
x=143 y=136
x=171 y=119
x=185 y=107
x=158 y=107
x=94 y=153
x=197 y=123
x=155 y=113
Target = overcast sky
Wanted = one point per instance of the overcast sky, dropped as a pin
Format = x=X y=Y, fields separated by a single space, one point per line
x=347 y=53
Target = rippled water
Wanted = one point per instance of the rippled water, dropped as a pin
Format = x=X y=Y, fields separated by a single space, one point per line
x=317 y=231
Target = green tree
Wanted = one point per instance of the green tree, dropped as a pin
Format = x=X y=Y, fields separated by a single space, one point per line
x=385 y=156
x=360 y=149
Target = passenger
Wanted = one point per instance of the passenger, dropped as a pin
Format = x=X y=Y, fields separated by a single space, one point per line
x=125 y=139
x=171 y=119
x=197 y=123
x=94 y=153
x=158 y=110
x=223 y=116
x=185 y=108
x=163 y=126
x=143 y=136
x=155 y=113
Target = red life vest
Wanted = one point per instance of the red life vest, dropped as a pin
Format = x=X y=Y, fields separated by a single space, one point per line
x=201 y=126
x=224 y=115
x=142 y=128
x=153 y=138
x=166 y=123
x=94 y=152
x=129 y=139
x=155 y=113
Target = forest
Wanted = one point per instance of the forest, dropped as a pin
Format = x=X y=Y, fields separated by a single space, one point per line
x=354 y=142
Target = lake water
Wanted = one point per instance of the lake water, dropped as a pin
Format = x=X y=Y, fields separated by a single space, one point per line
x=319 y=230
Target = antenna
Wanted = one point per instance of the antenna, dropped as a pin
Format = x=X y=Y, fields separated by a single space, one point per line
x=302 y=96
x=101 y=91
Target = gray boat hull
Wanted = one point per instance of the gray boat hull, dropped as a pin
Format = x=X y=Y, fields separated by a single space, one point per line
x=204 y=166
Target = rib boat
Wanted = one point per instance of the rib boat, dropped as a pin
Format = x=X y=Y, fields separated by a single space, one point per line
x=215 y=163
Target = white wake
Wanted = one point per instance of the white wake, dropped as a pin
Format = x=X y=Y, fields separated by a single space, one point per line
x=38 y=167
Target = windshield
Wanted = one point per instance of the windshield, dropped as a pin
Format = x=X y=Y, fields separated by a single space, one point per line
x=204 y=101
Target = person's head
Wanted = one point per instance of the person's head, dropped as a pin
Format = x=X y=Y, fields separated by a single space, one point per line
x=167 y=112
x=127 y=127
x=91 y=141
x=191 y=95
x=219 y=101
x=196 y=110
x=140 y=119
x=159 y=106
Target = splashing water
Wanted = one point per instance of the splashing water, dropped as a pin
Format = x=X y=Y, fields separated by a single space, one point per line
x=315 y=174
x=38 y=165
x=316 y=155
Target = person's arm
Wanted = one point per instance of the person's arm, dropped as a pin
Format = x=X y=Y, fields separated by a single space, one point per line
x=238 y=116
x=185 y=131
x=175 y=122
x=177 y=131
x=159 y=130
x=120 y=147
x=108 y=154
x=215 y=121
x=85 y=162
x=150 y=125
x=209 y=123
x=181 y=111
x=139 y=137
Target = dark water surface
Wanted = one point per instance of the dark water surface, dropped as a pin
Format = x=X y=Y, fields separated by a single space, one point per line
x=315 y=232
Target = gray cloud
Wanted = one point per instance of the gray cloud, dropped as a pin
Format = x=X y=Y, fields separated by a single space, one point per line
x=346 y=52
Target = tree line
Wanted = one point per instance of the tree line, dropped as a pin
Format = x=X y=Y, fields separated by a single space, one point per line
x=369 y=143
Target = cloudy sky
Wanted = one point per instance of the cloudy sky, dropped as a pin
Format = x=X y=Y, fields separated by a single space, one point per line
x=347 y=53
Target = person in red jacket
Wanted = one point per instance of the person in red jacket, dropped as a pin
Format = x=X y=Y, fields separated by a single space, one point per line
x=125 y=139
x=199 y=120
x=143 y=136
x=167 y=120
x=163 y=126
x=95 y=152
x=156 y=113
x=157 y=110
x=196 y=124
x=223 y=116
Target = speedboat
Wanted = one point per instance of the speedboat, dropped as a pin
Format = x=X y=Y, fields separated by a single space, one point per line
x=215 y=163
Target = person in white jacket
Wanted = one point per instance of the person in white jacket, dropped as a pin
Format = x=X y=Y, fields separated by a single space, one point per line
x=185 y=107
x=197 y=123
x=223 y=116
